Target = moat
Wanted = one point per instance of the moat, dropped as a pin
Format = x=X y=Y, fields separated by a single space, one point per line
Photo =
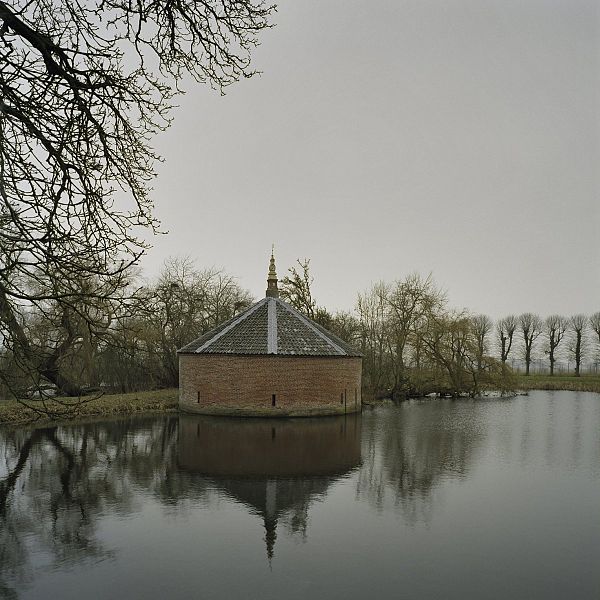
x=493 y=498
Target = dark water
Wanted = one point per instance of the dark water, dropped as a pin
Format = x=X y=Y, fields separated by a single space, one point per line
x=433 y=499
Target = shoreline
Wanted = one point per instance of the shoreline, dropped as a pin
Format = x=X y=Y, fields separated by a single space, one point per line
x=567 y=383
x=15 y=414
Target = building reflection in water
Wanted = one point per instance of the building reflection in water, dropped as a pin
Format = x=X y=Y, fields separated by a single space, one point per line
x=276 y=468
x=61 y=486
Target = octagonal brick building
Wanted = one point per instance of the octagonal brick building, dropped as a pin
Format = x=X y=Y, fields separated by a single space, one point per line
x=270 y=360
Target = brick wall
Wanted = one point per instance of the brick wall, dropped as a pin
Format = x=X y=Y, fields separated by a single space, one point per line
x=231 y=384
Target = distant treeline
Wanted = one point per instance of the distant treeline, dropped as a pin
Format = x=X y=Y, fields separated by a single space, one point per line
x=413 y=343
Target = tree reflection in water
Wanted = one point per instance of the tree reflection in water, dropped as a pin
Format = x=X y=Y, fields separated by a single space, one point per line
x=57 y=483
x=60 y=480
x=409 y=448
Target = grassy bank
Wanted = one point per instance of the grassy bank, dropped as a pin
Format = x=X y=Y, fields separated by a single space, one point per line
x=15 y=413
x=585 y=383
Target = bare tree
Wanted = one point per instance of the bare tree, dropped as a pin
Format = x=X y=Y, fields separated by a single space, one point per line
x=505 y=331
x=83 y=88
x=452 y=345
x=296 y=288
x=531 y=328
x=555 y=328
x=55 y=340
x=184 y=303
x=372 y=314
x=481 y=326
x=578 y=324
x=347 y=327
x=410 y=302
x=595 y=324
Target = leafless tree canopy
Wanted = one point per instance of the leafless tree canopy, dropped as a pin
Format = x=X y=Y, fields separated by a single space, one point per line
x=413 y=344
x=555 y=329
x=296 y=288
x=83 y=88
x=531 y=328
x=482 y=326
x=505 y=331
x=595 y=324
x=578 y=325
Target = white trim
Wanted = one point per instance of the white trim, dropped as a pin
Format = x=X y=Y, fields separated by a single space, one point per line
x=272 y=326
x=231 y=325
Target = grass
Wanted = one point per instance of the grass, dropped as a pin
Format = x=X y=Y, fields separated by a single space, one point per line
x=16 y=413
x=585 y=383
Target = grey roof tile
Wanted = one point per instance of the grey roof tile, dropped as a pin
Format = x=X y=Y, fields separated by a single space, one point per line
x=249 y=336
x=294 y=336
x=254 y=331
x=205 y=337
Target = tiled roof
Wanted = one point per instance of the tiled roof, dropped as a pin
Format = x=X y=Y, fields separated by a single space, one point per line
x=271 y=326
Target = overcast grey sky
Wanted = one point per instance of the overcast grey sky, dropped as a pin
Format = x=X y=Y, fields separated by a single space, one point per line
x=458 y=137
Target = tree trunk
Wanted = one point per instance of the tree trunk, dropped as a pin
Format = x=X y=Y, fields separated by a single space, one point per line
x=47 y=367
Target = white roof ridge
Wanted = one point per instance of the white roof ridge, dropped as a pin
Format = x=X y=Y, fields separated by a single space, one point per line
x=231 y=325
x=309 y=324
x=271 y=326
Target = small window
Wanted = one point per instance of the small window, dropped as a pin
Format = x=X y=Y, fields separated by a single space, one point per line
x=273 y=399
x=198 y=396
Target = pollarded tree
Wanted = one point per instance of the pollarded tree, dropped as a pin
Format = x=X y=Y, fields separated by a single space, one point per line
x=505 y=331
x=481 y=326
x=555 y=328
x=83 y=88
x=595 y=325
x=531 y=328
x=578 y=324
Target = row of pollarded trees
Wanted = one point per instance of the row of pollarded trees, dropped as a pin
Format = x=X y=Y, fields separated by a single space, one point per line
x=413 y=344
x=549 y=335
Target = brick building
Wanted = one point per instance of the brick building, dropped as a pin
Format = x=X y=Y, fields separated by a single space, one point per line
x=269 y=360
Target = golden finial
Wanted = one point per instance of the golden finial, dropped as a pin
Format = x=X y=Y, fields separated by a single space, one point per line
x=272 y=290
x=272 y=272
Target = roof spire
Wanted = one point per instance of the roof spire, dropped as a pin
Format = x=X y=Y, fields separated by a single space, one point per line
x=272 y=290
